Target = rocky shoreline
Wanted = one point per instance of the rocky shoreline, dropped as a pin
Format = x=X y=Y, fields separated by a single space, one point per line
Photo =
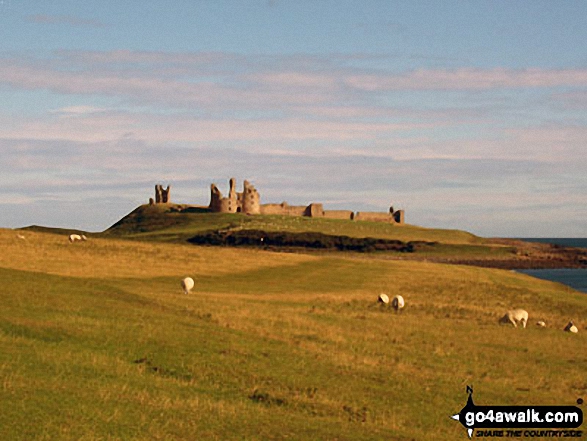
x=526 y=255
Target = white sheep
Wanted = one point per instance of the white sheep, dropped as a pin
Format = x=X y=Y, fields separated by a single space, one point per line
x=20 y=236
x=383 y=298
x=571 y=327
x=76 y=237
x=398 y=302
x=187 y=284
x=515 y=316
x=541 y=323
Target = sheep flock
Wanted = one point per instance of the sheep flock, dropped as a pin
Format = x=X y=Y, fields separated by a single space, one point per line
x=77 y=238
x=512 y=317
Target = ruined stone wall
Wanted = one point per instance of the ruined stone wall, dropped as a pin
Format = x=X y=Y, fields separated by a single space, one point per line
x=374 y=216
x=283 y=209
x=396 y=217
x=295 y=210
x=314 y=210
x=339 y=214
x=271 y=209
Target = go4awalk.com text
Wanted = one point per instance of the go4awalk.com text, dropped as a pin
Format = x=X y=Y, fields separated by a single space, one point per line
x=528 y=433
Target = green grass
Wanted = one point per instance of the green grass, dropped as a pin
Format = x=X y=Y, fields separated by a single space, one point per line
x=176 y=224
x=165 y=223
x=98 y=342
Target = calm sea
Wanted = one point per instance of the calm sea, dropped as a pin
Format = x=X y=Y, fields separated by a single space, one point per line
x=575 y=278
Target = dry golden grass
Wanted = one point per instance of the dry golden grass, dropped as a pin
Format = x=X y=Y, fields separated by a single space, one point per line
x=54 y=254
x=97 y=341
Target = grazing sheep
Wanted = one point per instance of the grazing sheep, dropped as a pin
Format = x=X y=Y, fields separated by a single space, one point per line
x=383 y=298
x=541 y=324
x=398 y=302
x=20 y=236
x=187 y=284
x=571 y=327
x=76 y=237
x=515 y=316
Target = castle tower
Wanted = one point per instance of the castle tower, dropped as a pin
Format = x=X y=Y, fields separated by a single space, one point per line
x=232 y=205
x=250 y=200
x=220 y=204
x=215 y=199
x=162 y=194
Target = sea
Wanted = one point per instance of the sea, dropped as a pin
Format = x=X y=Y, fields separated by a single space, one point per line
x=574 y=277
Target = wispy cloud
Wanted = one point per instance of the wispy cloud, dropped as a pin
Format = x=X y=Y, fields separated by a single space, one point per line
x=280 y=108
x=223 y=81
x=470 y=78
x=84 y=125
x=318 y=126
x=78 y=110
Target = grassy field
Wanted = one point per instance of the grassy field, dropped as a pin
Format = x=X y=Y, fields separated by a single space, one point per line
x=98 y=342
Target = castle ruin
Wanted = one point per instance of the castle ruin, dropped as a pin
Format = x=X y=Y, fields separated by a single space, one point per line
x=249 y=202
x=161 y=195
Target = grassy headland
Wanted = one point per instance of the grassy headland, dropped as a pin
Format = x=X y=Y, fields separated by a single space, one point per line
x=99 y=342
x=179 y=223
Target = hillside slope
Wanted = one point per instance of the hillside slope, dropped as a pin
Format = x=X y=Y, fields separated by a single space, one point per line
x=181 y=223
x=99 y=342
x=173 y=222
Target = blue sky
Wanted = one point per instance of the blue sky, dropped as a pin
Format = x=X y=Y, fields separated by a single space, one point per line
x=467 y=114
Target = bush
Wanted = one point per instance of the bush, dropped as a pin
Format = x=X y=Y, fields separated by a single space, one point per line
x=259 y=238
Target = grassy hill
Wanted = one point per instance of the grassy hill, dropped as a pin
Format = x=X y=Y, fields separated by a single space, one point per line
x=170 y=222
x=180 y=223
x=98 y=342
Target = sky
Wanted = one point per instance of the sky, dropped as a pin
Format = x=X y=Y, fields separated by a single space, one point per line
x=466 y=114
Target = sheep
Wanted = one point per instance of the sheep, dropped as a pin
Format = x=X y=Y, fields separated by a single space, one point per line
x=77 y=237
x=20 y=236
x=541 y=324
x=398 y=303
x=515 y=316
x=383 y=298
x=187 y=284
x=571 y=327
